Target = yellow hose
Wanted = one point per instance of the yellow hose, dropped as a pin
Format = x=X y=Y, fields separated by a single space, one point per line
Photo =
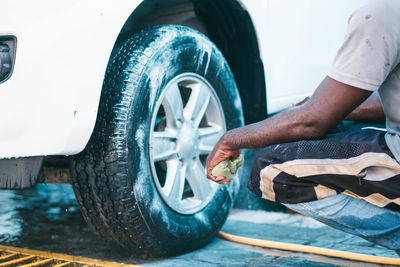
x=309 y=249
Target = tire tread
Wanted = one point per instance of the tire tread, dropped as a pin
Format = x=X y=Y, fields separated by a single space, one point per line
x=104 y=205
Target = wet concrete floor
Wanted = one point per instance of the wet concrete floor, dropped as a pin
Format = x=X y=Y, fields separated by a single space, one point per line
x=47 y=217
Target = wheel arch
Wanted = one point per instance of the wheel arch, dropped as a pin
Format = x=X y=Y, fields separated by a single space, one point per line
x=228 y=24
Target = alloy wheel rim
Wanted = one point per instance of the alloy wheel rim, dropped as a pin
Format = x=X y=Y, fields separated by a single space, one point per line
x=187 y=122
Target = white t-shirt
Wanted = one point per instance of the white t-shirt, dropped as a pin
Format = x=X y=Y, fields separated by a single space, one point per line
x=369 y=59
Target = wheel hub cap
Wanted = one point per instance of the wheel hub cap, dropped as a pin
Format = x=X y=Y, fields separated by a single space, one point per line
x=187 y=122
x=188 y=143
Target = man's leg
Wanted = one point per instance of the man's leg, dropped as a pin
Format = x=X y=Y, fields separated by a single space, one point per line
x=286 y=173
x=355 y=216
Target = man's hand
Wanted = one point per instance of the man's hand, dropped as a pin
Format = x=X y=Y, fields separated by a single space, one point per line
x=220 y=152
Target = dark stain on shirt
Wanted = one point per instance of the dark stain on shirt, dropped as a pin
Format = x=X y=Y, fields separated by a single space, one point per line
x=368 y=42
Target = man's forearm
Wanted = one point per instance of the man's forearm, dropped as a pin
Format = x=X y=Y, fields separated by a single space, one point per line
x=289 y=125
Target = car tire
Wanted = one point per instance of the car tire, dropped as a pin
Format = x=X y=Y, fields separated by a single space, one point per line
x=167 y=97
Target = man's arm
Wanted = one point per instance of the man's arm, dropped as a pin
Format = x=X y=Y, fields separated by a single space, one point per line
x=330 y=103
x=370 y=110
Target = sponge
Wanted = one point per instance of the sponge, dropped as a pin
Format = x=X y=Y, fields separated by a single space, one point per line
x=228 y=168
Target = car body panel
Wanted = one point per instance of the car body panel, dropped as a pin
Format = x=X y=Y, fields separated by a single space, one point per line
x=298 y=41
x=49 y=104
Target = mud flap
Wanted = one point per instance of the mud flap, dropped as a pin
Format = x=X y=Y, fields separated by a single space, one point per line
x=19 y=173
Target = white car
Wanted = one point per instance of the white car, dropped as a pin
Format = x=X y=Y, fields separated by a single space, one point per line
x=128 y=97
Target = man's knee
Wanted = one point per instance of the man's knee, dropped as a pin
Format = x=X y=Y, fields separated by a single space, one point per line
x=276 y=154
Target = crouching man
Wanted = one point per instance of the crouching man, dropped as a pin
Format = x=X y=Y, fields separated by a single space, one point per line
x=349 y=180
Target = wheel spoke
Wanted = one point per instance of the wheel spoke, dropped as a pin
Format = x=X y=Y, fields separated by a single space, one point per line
x=175 y=180
x=197 y=103
x=163 y=145
x=209 y=136
x=198 y=181
x=173 y=106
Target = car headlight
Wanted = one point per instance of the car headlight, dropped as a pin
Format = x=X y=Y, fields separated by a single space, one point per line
x=7 y=56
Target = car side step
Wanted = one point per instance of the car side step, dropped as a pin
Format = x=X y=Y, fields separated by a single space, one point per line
x=11 y=256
